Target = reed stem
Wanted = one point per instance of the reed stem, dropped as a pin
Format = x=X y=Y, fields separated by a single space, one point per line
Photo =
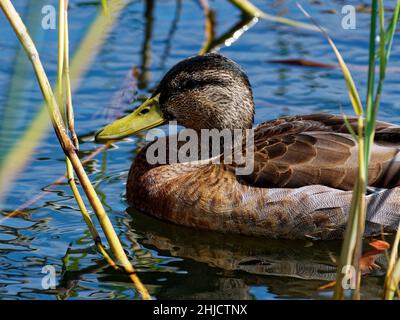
x=70 y=119
x=390 y=281
x=15 y=159
x=67 y=145
x=251 y=10
x=60 y=65
x=63 y=73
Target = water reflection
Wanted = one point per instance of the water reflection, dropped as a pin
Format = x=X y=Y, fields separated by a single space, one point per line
x=236 y=264
x=146 y=47
x=172 y=261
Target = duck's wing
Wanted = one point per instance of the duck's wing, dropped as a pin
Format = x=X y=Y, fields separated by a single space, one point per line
x=317 y=149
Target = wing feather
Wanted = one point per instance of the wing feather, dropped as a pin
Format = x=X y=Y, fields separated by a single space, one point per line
x=317 y=149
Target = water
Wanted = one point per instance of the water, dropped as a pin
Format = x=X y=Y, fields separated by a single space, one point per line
x=172 y=261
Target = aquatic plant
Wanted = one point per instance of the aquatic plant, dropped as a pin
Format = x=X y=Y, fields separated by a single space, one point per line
x=19 y=154
x=352 y=243
x=351 y=250
x=69 y=147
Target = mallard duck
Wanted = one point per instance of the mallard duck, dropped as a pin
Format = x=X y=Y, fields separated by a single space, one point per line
x=304 y=166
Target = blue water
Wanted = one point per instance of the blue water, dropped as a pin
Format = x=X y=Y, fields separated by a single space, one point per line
x=172 y=261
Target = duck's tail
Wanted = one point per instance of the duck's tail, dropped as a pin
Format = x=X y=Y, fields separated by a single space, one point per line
x=320 y=212
x=383 y=211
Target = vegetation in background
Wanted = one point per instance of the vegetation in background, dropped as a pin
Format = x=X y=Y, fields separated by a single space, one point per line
x=63 y=120
x=251 y=10
x=352 y=243
x=60 y=126
x=17 y=157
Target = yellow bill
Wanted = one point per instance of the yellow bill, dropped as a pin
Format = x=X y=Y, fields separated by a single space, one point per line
x=146 y=116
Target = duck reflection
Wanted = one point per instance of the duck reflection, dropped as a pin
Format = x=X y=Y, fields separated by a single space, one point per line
x=222 y=266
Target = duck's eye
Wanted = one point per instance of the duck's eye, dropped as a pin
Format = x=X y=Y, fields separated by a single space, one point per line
x=190 y=84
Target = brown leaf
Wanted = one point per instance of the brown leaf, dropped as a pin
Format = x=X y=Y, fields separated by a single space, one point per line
x=327 y=286
x=367 y=262
x=305 y=63
x=379 y=245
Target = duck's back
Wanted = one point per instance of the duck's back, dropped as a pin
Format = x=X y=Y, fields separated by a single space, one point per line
x=315 y=149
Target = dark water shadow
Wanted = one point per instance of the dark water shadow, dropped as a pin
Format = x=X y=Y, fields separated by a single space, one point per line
x=224 y=266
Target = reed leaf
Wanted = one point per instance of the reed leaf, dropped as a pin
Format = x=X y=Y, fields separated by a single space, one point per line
x=67 y=145
x=393 y=271
x=251 y=10
x=352 y=243
x=351 y=246
x=351 y=87
x=16 y=158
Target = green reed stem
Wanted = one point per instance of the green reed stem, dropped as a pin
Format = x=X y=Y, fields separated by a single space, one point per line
x=251 y=10
x=393 y=271
x=70 y=119
x=60 y=65
x=391 y=282
x=352 y=242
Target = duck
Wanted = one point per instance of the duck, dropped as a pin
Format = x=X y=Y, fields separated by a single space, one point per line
x=304 y=167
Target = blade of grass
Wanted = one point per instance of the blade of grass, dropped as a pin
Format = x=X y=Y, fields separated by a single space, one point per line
x=251 y=10
x=60 y=64
x=364 y=143
x=63 y=73
x=390 y=282
x=105 y=6
x=347 y=123
x=386 y=37
x=392 y=25
x=351 y=87
x=370 y=108
x=351 y=247
x=393 y=271
x=68 y=101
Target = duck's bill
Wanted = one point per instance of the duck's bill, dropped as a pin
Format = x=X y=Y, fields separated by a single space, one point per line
x=146 y=116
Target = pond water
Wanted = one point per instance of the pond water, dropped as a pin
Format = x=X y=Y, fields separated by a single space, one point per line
x=173 y=262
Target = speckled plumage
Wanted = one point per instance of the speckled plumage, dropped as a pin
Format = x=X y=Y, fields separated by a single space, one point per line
x=304 y=165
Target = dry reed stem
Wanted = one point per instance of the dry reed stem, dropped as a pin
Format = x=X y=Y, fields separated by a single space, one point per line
x=67 y=145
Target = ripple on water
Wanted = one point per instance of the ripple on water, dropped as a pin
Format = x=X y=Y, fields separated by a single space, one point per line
x=173 y=262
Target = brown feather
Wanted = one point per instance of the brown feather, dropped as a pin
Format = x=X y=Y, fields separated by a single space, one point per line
x=317 y=149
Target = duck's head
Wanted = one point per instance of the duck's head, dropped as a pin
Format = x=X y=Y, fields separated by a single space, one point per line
x=202 y=92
